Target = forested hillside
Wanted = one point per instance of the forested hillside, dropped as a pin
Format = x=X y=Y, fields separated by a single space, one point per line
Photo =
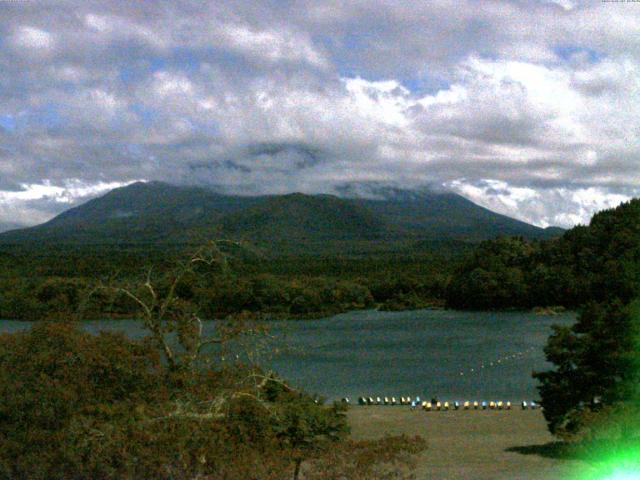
x=159 y=213
x=588 y=263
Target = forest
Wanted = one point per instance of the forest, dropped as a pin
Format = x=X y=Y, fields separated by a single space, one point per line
x=598 y=262
x=51 y=283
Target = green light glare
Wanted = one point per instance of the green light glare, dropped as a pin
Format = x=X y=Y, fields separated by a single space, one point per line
x=611 y=462
x=622 y=476
x=613 y=471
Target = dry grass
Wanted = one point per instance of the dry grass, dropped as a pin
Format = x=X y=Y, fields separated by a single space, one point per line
x=478 y=445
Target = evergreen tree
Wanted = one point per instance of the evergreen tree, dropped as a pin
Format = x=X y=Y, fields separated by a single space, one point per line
x=597 y=368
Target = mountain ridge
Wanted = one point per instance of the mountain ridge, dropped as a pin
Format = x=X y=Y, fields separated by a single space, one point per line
x=157 y=212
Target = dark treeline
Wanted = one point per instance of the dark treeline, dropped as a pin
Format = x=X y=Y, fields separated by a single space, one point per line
x=590 y=263
x=54 y=283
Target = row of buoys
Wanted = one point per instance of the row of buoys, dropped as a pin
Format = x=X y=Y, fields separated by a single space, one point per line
x=499 y=361
x=442 y=406
x=430 y=406
x=385 y=401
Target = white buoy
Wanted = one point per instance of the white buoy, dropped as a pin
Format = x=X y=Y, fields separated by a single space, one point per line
x=508 y=406
x=438 y=406
x=393 y=401
x=456 y=405
x=386 y=401
x=370 y=401
x=524 y=405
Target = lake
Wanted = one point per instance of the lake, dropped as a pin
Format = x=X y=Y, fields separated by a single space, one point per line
x=449 y=354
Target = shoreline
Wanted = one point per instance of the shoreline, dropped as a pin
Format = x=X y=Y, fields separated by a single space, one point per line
x=538 y=311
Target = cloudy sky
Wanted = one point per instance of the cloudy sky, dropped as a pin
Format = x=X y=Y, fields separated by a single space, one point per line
x=530 y=108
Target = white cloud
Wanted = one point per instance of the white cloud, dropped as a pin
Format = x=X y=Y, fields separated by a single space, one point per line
x=36 y=202
x=566 y=5
x=34 y=39
x=114 y=27
x=67 y=193
x=385 y=101
x=563 y=207
x=529 y=108
x=269 y=44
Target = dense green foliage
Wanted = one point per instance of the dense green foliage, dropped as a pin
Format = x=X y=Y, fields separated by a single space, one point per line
x=54 y=283
x=74 y=405
x=597 y=370
x=593 y=391
x=587 y=264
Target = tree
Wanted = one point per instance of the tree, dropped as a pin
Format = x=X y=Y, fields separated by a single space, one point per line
x=305 y=430
x=166 y=309
x=493 y=276
x=82 y=406
x=597 y=369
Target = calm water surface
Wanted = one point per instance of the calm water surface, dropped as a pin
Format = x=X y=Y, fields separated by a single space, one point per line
x=448 y=354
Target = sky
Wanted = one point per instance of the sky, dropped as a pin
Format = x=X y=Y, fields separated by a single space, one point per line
x=529 y=108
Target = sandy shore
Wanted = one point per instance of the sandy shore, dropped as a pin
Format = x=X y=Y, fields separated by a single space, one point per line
x=478 y=445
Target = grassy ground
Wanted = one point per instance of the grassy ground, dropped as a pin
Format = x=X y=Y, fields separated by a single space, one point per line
x=477 y=445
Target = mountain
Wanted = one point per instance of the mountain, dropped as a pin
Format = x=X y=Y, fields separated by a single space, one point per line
x=138 y=213
x=445 y=215
x=304 y=217
x=157 y=212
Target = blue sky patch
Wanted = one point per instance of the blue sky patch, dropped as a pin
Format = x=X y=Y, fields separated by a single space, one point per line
x=7 y=122
x=567 y=52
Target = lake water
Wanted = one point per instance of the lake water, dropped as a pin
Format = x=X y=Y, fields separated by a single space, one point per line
x=448 y=354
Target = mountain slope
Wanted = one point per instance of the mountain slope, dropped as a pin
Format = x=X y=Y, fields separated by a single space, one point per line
x=157 y=212
x=137 y=213
x=304 y=217
x=446 y=214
